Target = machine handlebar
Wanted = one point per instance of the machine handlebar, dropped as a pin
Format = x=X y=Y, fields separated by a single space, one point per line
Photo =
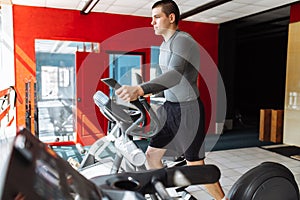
x=115 y=112
x=144 y=181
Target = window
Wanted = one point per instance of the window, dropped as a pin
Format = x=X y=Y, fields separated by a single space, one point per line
x=155 y=69
x=1 y=43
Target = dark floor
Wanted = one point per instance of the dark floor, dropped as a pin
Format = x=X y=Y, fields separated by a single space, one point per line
x=238 y=138
x=229 y=139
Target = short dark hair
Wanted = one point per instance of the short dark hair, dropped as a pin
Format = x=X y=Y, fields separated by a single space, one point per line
x=168 y=7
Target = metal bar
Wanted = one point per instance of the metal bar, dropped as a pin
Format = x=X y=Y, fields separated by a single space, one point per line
x=203 y=8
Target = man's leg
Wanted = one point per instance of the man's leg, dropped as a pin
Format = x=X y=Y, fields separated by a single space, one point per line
x=214 y=189
x=154 y=157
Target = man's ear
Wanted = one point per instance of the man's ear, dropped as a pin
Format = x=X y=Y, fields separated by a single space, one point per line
x=172 y=18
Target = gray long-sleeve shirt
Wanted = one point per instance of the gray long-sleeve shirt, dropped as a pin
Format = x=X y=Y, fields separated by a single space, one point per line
x=179 y=60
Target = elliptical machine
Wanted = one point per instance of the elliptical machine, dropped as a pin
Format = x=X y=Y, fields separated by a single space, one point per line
x=268 y=180
x=117 y=152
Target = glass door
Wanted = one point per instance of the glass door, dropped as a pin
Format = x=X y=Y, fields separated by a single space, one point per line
x=56 y=88
x=55 y=97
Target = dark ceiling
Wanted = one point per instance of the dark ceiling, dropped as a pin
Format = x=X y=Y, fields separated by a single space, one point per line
x=266 y=24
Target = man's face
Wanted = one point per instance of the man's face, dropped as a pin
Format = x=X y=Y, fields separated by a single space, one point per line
x=160 y=22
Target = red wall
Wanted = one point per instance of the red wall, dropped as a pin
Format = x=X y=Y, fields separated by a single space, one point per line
x=295 y=13
x=32 y=23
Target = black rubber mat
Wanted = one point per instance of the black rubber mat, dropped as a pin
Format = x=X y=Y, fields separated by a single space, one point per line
x=289 y=151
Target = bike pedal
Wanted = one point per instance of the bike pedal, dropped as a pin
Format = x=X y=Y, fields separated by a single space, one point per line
x=181 y=189
x=181 y=163
x=187 y=196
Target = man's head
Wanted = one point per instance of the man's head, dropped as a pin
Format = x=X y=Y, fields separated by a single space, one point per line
x=165 y=17
x=168 y=7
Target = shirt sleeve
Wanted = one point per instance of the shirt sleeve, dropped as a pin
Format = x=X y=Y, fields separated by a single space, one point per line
x=168 y=79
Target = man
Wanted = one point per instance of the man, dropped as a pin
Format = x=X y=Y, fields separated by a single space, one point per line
x=182 y=113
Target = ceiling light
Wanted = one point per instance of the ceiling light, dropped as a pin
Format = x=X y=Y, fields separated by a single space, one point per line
x=89 y=6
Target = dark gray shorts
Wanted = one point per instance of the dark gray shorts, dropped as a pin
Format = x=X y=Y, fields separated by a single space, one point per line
x=183 y=131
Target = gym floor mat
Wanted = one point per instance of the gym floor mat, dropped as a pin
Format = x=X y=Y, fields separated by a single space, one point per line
x=288 y=151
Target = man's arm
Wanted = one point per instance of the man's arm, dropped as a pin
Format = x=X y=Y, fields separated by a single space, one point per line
x=164 y=81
